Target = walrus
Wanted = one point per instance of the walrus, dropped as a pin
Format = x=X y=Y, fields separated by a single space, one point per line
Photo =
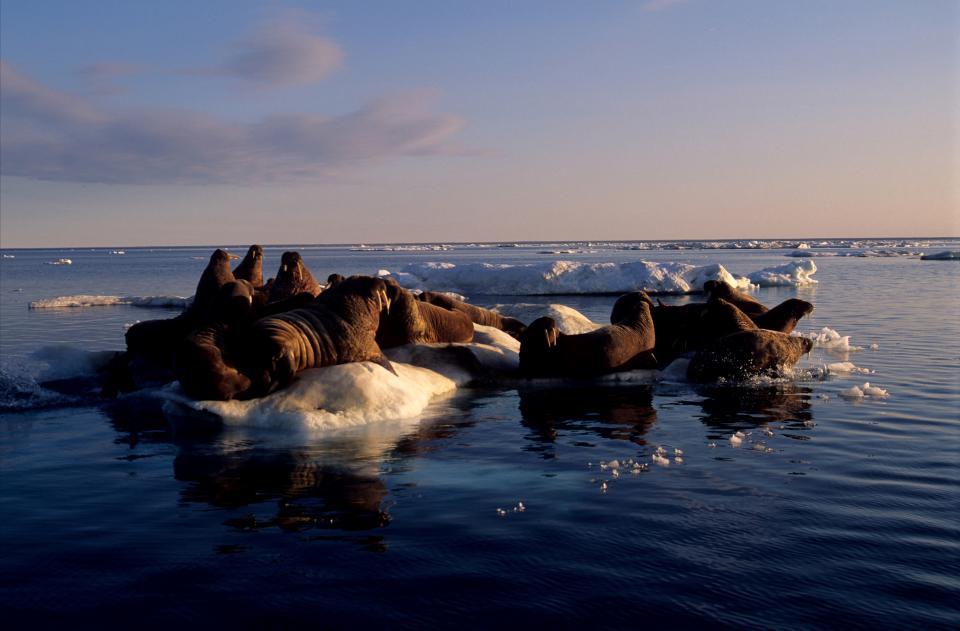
x=715 y=289
x=251 y=267
x=625 y=344
x=292 y=278
x=333 y=279
x=337 y=327
x=158 y=338
x=203 y=360
x=204 y=367
x=214 y=276
x=478 y=315
x=414 y=321
x=784 y=316
x=747 y=353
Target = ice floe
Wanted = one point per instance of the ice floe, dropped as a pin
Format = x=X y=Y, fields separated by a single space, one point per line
x=866 y=390
x=828 y=339
x=63 y=302
x=568 y=319
x=570 y=277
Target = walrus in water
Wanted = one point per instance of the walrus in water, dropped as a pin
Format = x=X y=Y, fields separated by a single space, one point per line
x=625 y=344
x=251 y=267
x=293 y=278
x=715 y=289
x=747 y=353
x=784 y=316
x=337 y=327
x=478 y=315
x=414 y=321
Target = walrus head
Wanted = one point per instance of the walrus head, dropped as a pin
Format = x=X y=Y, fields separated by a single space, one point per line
x=334 y=278
x=627 y=306
x=375 y=291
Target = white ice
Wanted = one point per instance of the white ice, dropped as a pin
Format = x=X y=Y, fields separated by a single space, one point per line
x=568 y=277
x=568 y=319
x=62 y=302
x=828 y=339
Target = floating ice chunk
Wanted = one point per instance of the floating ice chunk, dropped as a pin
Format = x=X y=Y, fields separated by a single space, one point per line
x=874 y=391
x=678 y=460
x=853 y=392
x=614 y=464
x=736 y=439
x=840 y=367
x=60 y=262
x=603 y=487
x=829 y=339
x=63 y=302
x=711 y=445
x=519 y=508
x=794 y=274
x=659 y=460
x=332 y=397
x=615 y=473
x=569 y=277
x=677 y=452
x=874 y=347
x=569 y=320
x=501 y=512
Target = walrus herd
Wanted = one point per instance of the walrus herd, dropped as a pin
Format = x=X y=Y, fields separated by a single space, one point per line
x=243 y=338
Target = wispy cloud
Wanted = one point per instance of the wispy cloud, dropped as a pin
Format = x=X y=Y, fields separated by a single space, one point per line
x=100 y=78
x=281 y=53
x=54 y=135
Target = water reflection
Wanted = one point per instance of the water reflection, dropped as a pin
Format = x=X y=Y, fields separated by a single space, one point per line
x=615 y=413
x=730 y=408
x=307 y=492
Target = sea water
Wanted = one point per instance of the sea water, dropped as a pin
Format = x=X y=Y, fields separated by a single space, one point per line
x=782 y=503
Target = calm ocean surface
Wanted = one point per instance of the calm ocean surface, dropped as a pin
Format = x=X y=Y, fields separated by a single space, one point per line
x=832 y=512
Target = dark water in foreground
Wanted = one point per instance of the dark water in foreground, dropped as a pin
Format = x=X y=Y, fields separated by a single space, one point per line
x=832 y=512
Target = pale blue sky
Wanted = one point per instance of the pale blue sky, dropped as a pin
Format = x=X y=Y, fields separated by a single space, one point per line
x=127 y=123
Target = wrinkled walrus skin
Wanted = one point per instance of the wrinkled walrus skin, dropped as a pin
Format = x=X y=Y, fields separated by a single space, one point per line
x=412 y=321
x=625 y=345
x=745 y=354
x=478 y=315
x=337 y=327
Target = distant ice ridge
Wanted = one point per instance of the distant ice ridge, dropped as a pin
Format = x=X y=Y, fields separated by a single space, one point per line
x=569 y=277
x=63 y=302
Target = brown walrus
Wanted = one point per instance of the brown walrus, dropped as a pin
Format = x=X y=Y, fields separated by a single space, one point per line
x=158 y=338
x=784 y=316
x=214 y=276
x=626 y=344
x=251 y=267
x=333 y=279
x=747 y=353
x=413 y=321
x=715 y=289
x=337 y=327
x=292 y=278
x=203 y=360
x=478 y=315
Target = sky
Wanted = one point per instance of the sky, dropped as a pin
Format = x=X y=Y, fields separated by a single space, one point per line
x=235 y=121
